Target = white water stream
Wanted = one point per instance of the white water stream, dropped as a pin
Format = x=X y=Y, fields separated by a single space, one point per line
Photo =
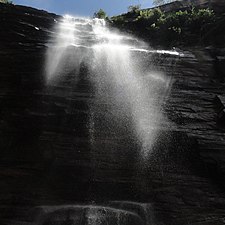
x=128 y=95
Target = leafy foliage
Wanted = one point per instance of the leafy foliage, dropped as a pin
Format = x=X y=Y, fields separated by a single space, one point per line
x=100 y=14
x=188 y=26
x=148 y=17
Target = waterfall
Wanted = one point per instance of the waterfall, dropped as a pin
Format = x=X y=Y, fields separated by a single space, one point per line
x=127 y=94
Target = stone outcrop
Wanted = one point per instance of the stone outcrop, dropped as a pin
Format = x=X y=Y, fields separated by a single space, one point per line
x=46 y=154
x=217 y=5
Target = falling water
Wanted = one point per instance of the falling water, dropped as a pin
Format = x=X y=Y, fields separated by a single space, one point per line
x=128 y=95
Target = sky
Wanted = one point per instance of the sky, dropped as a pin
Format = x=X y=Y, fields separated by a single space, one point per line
x=84 y=7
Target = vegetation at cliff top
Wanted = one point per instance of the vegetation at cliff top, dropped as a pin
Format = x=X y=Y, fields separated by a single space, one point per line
x=6 y=1
x=192 y=26
x=100 y=14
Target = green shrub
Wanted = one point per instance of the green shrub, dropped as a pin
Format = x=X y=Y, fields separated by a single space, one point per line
x=100 y=14
x=201 y=17
x=174 y=21
x=188 y=26
x=149 y=17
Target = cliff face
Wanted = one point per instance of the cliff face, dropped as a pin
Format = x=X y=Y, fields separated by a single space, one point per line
x=24 y=32
x=46 y=156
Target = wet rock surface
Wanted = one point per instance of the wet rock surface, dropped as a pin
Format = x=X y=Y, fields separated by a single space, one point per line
x=88 y=214
x=192 y=106
x=46 y=154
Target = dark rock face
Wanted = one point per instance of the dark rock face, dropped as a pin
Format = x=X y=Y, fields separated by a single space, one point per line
x=219 y=103
x=217 y=5
x=46 y=155
x=198 y=85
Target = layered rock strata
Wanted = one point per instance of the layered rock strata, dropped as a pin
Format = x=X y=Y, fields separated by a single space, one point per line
x=46 y=155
